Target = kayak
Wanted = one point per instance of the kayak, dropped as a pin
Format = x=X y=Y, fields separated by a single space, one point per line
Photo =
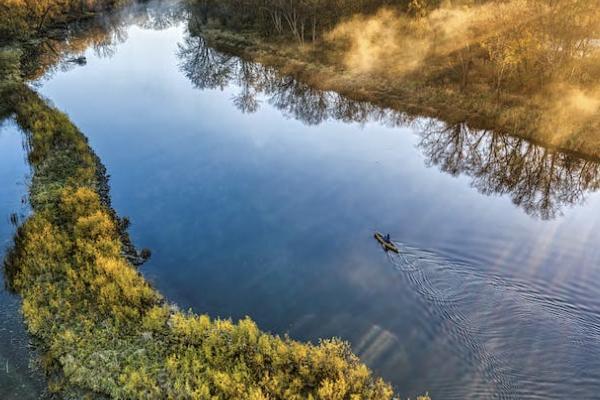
x=387 y=246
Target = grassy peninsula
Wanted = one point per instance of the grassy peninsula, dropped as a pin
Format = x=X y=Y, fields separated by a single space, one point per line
x=104 y=331
x=525 y=68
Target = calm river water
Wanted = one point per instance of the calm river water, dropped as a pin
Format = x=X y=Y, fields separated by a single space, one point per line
x=259 y=196
x=19 y=380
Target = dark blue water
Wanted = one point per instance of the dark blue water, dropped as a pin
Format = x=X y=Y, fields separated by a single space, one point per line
x=259 y=197
x=19 y=378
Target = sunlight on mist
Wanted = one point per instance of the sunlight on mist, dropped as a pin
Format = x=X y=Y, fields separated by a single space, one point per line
x=568 y=110
x=380 y=41
x=546 y=53
x=394 y=42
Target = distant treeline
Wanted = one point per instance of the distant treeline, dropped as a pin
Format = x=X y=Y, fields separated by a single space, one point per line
x=302 y=19
x=20 y=19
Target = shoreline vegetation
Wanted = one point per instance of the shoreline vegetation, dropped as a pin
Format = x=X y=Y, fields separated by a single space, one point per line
x=101 y=329
x=524 y=68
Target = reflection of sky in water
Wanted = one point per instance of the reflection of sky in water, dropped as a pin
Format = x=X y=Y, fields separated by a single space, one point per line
x=261 y=215
x=17 y=382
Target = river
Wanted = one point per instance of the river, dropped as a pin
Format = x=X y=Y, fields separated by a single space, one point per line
x=20 y=379
x=259 y=196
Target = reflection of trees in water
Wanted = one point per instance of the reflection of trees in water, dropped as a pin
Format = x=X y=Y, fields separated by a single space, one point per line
x=204 y=67
x=538 y=180
x=102 y=34
x=158 y=14
x=208 y=68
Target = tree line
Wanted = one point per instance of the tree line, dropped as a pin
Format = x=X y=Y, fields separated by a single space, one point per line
x=301 y=19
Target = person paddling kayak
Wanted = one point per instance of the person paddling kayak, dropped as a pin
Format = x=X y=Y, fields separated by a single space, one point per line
x=386 y=242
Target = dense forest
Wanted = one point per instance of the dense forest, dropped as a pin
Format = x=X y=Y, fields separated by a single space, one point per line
x=525 y=67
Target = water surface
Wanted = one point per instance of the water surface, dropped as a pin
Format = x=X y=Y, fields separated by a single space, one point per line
x=19 y=379
x=259 y=196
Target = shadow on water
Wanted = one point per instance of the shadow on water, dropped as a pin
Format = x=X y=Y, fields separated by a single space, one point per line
x=103 y=33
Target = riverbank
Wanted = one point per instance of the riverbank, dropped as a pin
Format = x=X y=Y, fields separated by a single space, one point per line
x=478 y=107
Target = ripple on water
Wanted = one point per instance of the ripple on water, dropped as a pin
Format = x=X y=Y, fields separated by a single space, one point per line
x=505 y=330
